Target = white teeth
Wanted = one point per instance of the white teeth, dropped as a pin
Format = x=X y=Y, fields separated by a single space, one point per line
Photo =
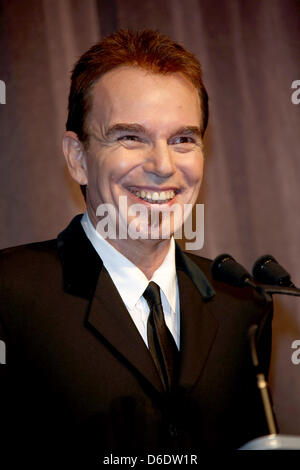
x=156 y=196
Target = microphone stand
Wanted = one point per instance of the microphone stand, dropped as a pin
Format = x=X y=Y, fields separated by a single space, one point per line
x=274 y=440
x=262 y=383
x=264 y=289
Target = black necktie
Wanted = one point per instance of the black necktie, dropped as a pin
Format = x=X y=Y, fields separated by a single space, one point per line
x=160 y=340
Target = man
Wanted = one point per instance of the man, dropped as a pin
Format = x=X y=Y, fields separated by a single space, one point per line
x=118 y=343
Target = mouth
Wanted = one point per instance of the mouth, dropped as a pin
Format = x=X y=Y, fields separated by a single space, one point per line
x=154 y=196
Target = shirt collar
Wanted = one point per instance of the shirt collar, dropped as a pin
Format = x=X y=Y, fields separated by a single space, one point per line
x=165 y=276
x=130 y=281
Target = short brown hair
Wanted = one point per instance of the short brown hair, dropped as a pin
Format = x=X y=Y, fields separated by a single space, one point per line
x=148 y=49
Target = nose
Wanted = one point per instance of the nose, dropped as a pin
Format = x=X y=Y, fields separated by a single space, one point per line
x=160 y=161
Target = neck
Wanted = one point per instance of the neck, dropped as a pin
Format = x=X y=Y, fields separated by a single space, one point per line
x=147 y=255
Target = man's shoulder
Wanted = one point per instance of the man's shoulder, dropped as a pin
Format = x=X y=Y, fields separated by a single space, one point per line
x=21 y=253
x=39 y=251
x=225 y=291
x=69 y=261
x=27 y=265
x=203 y=263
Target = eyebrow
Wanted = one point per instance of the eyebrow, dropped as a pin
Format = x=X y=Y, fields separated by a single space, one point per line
x=138 y=128
x=188 y=130
x=118 y=128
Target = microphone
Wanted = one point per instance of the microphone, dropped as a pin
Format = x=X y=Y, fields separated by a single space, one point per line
x=224 y=268
x=267 y=270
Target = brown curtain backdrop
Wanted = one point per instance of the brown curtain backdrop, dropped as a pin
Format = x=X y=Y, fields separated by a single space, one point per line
x=249 y=50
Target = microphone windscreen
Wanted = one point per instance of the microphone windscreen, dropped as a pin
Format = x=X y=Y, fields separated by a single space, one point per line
x=226 y=269
x=268 y=271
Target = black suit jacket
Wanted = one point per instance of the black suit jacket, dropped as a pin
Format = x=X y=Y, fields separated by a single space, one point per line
x=79 y=377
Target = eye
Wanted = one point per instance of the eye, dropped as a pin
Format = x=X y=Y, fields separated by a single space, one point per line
x=183 y=139
x=133 y=138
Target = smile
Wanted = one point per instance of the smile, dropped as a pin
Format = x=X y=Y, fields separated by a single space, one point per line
x=156 y=197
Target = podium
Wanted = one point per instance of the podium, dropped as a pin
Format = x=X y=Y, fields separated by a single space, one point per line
x=273 y=442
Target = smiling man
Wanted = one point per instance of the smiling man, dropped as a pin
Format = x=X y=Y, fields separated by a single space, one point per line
x=120 y=342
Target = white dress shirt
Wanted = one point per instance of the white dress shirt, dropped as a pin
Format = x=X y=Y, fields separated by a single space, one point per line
x=131 y=282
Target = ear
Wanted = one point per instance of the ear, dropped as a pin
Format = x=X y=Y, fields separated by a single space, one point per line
x=75 y=156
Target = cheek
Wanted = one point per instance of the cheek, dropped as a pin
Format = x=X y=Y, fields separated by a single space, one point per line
x=193 y=172
x=100 y=170
x=119 y=163
x=118 y=169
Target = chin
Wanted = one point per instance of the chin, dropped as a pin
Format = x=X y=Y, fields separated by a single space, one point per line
x=137 y=231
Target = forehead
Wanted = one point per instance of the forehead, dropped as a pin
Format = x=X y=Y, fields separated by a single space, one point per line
x=132 y=93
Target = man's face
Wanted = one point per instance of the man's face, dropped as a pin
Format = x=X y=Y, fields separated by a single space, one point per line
x=144 y=143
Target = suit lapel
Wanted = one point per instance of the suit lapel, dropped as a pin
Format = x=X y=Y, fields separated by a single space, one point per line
x=80 y=262
x=198 y=326
x=85 y=276
x=110 y=318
